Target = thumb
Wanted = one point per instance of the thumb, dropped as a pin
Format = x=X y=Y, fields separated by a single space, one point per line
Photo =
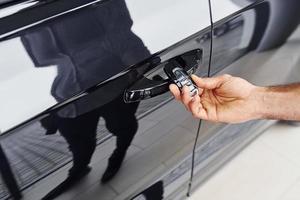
x=209 y=83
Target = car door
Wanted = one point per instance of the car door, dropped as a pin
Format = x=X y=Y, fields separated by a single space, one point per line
x=84 y=86
x=255 y=40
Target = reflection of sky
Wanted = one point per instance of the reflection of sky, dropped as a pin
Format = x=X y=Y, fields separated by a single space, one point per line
x=24 y=89
x=161 y=23
x=15 y=8
x=223 y=8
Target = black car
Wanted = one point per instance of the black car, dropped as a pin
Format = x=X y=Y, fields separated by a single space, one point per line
x=85 y=109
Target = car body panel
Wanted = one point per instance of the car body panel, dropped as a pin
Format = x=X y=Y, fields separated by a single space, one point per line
x=61 y=44
x=67 y=76
x=160 y=25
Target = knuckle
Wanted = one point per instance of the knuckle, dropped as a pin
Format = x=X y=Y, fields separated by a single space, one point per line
x=226 y=76
x=195 y=112
x=195 y=115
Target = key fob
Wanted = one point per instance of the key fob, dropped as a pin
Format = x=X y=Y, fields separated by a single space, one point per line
x=178 y=76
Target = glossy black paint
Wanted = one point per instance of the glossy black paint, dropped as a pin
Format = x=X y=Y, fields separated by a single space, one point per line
x=99 y=53
x=155 y=84
x=97 y=57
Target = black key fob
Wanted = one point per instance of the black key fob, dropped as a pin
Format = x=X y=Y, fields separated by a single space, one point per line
x=178 y=76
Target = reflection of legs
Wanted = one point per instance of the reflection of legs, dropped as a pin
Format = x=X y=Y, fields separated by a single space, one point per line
x=125 y=129
x=80 y=133
x=121 y=121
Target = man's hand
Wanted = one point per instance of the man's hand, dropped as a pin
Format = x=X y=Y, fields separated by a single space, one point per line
x=221 y=99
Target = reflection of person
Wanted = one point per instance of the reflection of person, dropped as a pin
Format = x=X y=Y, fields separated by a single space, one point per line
x=80 y=133
x=88 y=47
x=233 y=100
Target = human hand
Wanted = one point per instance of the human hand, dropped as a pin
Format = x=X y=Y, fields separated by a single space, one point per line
x=221 y=99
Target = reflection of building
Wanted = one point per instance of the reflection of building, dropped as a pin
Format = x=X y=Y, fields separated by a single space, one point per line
x=28 y=148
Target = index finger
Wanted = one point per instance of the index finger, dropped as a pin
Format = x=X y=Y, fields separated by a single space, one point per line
x=175 y=91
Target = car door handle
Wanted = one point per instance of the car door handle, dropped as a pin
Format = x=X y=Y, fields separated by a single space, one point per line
x=155 y=82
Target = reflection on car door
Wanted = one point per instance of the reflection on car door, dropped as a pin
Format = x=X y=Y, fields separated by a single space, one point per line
x=75 y=70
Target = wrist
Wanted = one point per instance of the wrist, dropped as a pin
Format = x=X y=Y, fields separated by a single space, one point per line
x=260 y=110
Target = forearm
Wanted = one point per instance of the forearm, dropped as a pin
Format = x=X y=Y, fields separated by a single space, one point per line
x=278 y=102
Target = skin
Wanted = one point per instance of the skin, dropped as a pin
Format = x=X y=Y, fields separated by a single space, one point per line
x=231 y=99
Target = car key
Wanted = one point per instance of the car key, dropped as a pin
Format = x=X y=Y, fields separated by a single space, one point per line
x=178 y=76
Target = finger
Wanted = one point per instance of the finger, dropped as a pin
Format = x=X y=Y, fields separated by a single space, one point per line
x=201 y=113
x=185 y=97
x=200 y=91
x=195 y=102
x=210 y=83
x=175 y=91
x=206 y=83
x=197 y=110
